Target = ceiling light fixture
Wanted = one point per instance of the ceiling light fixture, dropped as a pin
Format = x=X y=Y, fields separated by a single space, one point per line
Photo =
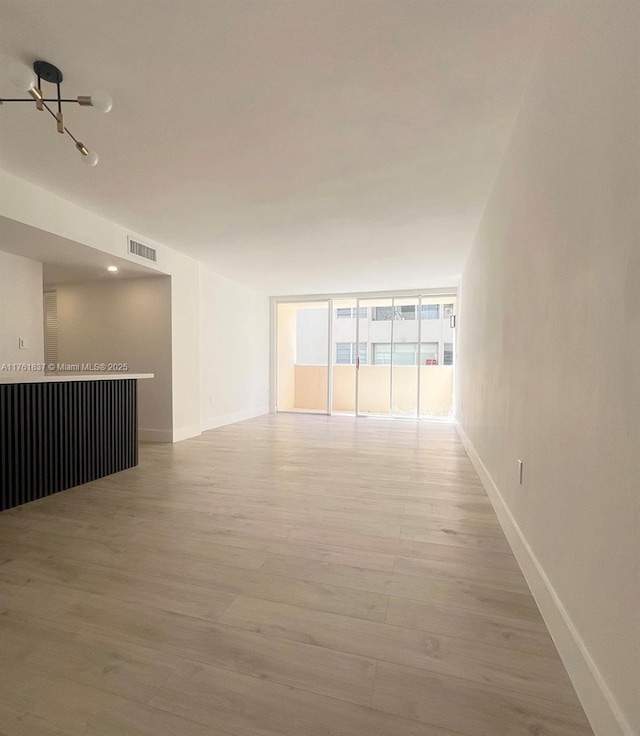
x=112 y=269
x=31 y=82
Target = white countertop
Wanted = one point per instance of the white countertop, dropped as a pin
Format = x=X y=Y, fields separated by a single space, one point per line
x=41 y=377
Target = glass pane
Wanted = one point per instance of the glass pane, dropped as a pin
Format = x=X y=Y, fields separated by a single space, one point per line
x=302 y=353
x=405 y=311
x=344 y=357
x=381 y=353
x=448 y=353
x=436 y=358
x=405 y=353
x=343 y=352
x=429 y=353
x=430 y=311
x=383 y=314
x=374 y=375
x=404 y=395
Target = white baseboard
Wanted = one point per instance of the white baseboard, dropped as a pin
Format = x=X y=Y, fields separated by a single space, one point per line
x=221 y=419
x=155 y=435
x=185 y=433
x=603 y=712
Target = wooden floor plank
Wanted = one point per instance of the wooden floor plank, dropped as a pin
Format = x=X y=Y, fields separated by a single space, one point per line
x=444 y=570
x=408 y=548
x=446 y=592
x=529 y=674
x=174 y=636
x=476 y=710
x=249 y=707
x=54 y=706
x=511 y=633
x=65 y=651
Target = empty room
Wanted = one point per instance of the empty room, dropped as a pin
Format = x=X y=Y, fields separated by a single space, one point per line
x=319 y=368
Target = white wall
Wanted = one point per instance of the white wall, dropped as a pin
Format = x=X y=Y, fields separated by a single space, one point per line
x=21 y=313
x=234 y=351
x=549 y=351
x=185 y=339
x=123 y=321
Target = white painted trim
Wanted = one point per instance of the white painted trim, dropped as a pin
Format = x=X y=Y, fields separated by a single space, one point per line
x=273 y=356
x=221 y=419
x=603 y=712
x=155 y=435
x=439 y=291
x=185 y=433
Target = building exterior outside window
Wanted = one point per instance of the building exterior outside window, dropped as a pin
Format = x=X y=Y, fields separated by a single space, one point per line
x=346 y=353
x=430 y=311
x=436 y=333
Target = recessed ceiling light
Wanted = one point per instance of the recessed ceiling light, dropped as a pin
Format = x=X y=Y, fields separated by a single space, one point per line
x=112 y=269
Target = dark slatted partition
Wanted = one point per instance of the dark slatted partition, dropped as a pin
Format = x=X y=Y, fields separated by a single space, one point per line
x=57 y=435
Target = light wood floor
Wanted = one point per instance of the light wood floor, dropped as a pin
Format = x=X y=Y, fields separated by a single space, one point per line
x=286 y=576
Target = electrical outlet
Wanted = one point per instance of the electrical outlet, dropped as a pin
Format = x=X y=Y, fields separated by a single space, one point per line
x=520 y=472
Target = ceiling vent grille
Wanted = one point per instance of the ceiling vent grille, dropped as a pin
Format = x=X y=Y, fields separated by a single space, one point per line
x=144 y=251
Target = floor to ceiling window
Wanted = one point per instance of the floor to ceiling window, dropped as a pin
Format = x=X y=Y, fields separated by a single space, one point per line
x=387 y=356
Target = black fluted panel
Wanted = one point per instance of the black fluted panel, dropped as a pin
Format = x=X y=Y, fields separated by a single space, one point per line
x=57 y=435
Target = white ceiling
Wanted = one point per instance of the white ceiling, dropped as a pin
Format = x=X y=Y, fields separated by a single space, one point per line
x=298 y=146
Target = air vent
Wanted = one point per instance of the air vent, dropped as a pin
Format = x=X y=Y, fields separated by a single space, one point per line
x=143 y=251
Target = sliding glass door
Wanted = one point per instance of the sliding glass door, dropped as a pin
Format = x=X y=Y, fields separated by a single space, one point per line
x=372 y=356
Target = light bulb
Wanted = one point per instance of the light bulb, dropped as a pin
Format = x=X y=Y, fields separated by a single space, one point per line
x=22 y=76
x=91 y=159
x=101 y=100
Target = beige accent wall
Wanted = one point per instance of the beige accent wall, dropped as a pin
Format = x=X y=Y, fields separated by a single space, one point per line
x=549 y=351
x=310 y=387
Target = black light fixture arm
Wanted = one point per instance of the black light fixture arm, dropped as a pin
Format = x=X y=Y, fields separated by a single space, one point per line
x=44 y=99
x=44 y=71
x=53 y=115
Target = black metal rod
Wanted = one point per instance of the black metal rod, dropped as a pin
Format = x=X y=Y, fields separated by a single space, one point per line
x=70 y=134
x=48 y=109
x=30 y=99
x=66 y=130
x=59 y=98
